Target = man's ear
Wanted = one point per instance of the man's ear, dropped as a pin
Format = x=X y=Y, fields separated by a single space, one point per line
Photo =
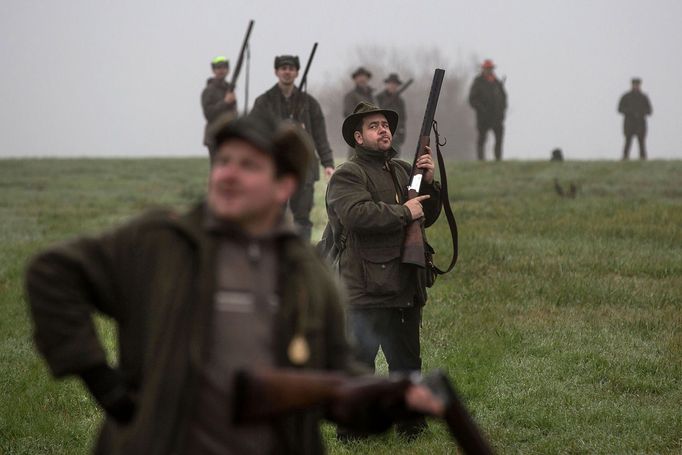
x=358 y=137
x=286 y=187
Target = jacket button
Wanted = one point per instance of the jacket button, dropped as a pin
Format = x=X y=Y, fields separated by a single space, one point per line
x=383 y=266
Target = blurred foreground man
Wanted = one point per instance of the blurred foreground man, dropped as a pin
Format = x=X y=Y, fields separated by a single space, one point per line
x=368 y=214
x=489 y=99
x=635 y=107
x=196 y=297
x=286 y=102
x=217 y=99
x=391 y=100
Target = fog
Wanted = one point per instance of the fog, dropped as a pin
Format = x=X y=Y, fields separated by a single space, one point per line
x=123 y=78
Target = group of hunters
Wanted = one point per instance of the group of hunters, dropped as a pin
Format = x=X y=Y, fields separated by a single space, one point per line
x=234 y=283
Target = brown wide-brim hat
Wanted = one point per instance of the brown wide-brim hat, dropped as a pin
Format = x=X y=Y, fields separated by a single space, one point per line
x=289 y=146
x=359 y=71
x=361 y=110
x=393 y=77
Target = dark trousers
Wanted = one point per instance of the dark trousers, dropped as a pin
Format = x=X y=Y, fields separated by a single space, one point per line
x=641 y=139
x=498 y=131
x=396 y=332
x=301 y=204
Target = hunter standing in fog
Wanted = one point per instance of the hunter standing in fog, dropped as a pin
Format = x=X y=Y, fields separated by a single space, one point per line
x=635 y=107
x=489 y=99
x=285 y=101
x=362 y=91
x=368 y=214
x=390 y=99
x=218 y=98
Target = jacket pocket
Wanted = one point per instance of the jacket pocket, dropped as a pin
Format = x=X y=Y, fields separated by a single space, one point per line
x=381 y=269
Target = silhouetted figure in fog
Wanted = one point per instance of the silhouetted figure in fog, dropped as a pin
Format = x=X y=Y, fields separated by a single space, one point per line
x=489 y=99
x=635 y=106
x=557 y=155
x=218 y=98
x=361 y=92
x=390 y=99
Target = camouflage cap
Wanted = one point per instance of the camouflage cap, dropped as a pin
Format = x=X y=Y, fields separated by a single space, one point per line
x=361 y=70
x=361 y=110
x=282 y=60
x=636 y=80
x=220 y=61
x=289 y=146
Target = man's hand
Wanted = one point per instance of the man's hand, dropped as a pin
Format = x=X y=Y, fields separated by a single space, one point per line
x=230 y=98
x=425 y=162
x=328 y=171
x=420 y=399
x=415 y=206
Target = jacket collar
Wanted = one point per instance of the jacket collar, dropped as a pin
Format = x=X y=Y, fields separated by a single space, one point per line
x=373 y=156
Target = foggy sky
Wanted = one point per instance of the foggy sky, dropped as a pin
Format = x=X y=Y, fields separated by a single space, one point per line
x=123 y=78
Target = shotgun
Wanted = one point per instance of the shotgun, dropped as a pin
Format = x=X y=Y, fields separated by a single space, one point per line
x=413 y=245
x=368 y=403
x=240 y=60
x=295 y=112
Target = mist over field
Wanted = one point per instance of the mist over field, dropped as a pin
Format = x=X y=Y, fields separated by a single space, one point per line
x=123 y=78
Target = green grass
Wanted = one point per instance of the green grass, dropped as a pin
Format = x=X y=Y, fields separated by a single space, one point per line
x=561 y=325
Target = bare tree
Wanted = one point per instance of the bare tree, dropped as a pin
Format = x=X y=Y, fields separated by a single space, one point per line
x=455 y=117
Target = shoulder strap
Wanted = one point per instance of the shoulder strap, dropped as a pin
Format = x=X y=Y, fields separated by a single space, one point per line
x=445 y=201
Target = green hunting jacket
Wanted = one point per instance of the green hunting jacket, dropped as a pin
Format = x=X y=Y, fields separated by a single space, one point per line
x=309 y=115
x=367 y=215
x=394 y=102
x=213 y=104
x=355 y=97
x=155 y=277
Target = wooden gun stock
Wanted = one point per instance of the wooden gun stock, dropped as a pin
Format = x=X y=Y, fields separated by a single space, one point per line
x=413 y=245
x=267 y=394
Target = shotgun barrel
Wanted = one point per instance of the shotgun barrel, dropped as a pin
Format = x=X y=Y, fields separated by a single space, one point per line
x=240 y=60
x=413 y=245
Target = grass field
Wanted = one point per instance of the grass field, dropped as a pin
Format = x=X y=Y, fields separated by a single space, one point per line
x=561 y=326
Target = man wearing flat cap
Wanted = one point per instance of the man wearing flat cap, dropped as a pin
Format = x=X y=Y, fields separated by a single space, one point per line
x=390 y=99
x=635 y=107
x=285 y=101
x=368 y=215
x=217 y=99
x=196 y=296
x=489 y=99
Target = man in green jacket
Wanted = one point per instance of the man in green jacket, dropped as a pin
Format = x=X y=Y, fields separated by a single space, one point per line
x=390 y=99
x=196 y=297
x=368 y=214
x=362 y=91
x=217 y=98
x=286 y=102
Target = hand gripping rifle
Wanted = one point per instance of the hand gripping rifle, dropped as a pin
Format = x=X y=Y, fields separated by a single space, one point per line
x=413 y=245
x=240 y=60
x=364 y=403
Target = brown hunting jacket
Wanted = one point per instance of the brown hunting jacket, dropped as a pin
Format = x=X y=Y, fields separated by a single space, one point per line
x=365 y=205
x=155 y=277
